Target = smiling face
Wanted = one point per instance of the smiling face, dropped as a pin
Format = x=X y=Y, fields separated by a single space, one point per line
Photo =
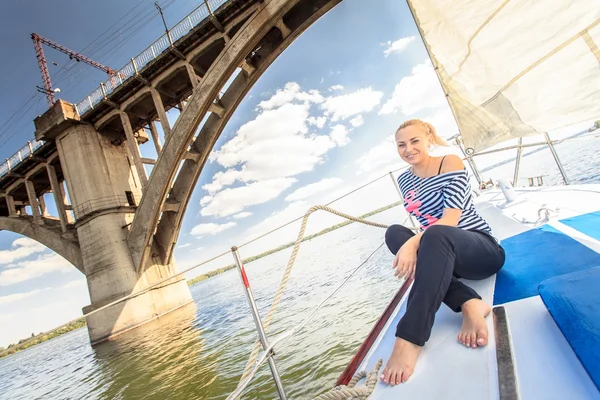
x=413 y=144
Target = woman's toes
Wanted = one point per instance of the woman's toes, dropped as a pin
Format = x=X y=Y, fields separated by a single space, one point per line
x=482 y=338
x=398 y=378
x=385 y=377
x=473 y=340
x=405 y=376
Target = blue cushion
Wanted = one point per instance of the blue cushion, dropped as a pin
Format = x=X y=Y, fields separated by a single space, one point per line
x=586 y=223
x=536 y=255
x=573 y=301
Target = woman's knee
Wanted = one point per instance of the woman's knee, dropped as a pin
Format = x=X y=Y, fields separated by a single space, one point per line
x=437 y=233
x=396 y=236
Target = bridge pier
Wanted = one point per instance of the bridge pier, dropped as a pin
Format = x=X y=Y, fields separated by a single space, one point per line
x=12 y=209
x=105 y=186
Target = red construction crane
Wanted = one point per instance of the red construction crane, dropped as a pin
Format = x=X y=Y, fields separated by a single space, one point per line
x=39 y=51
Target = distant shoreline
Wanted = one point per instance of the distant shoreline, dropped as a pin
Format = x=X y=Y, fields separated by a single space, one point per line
x=26 y=343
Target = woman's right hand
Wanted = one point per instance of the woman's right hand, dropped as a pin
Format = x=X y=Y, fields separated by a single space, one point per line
x=405 y=261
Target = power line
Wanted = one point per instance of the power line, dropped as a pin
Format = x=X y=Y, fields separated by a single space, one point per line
x=101 y=36
x=16 y=116
x=99 y=47
x=15 y=129
x=115 y=47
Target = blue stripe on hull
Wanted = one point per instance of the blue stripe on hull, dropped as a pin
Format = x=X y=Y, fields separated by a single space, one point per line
x=536 y=255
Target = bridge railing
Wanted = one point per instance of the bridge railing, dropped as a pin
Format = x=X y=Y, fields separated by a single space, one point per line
x=135 y=65
x=23 y=153
x=149 y=54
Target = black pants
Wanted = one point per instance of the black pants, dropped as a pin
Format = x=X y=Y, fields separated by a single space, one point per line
x=445 y=254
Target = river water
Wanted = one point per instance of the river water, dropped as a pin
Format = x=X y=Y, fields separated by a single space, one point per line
x=200 y=352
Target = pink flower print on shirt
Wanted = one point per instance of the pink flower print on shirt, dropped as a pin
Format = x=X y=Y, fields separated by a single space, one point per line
x=412 y=206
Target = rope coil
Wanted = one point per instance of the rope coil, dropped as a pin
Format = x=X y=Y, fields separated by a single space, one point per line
x=350 y=391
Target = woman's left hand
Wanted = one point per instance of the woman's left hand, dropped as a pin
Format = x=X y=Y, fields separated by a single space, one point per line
x=405 y=262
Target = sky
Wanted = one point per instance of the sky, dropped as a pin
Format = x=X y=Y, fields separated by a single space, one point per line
x=318 y=124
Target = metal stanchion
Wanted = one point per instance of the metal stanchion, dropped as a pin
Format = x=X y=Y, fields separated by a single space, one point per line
x=257 y=321
x=555 y=155
x=518 y=163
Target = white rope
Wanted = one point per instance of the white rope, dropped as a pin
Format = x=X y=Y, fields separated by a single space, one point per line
x=350 y=391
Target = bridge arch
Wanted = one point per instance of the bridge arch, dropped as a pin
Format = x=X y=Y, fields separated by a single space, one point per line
x=46 y=235
x=253 y=48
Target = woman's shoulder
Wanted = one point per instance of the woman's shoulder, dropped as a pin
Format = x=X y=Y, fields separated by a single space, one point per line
x=452 y=163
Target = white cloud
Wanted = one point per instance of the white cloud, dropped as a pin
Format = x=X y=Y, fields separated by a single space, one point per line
x=241 y=215
x=11 y=298
x=183 y=246
x=279 y=144
x=21 y=248
x=312 y=96
x=339 y=135
x=398 y=46
x=336 y=87
x=347 y=105
x=74 y=284
x=419 y=91
x=276 y=144
x=232 y=201
x=289 y=93
x=211 y=228
x=319 y=122
x=281 y=96
x=313 y=189
x=26 y=270
x=357 y=121
x=380 y=156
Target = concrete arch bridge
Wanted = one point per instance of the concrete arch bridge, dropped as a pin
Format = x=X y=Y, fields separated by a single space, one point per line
x=117 y=225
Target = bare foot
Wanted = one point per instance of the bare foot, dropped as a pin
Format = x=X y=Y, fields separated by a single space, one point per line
x=402 y=362
x=474 y=331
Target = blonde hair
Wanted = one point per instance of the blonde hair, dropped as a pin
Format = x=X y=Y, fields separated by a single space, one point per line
x=429 y=129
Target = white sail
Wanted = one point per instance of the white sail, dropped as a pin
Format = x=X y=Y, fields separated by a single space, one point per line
x=513 y=68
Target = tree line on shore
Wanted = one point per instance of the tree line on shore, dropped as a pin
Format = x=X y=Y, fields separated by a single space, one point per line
x=40 y=338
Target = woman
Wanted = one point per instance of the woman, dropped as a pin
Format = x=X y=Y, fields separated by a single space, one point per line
x=454 y=242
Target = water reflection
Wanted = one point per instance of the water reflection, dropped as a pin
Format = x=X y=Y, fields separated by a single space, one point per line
x=156 y=361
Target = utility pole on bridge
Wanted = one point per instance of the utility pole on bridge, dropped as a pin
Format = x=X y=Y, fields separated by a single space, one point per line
x=39 y=52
